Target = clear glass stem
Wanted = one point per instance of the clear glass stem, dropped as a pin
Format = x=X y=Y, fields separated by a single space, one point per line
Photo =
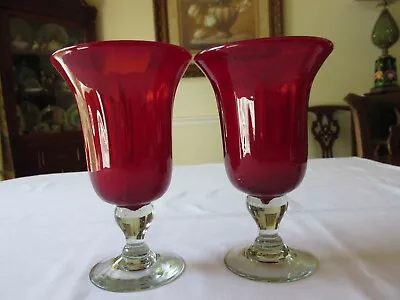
x=268 y=258
x=268 y=246
x=136 y=255
x=137 y=268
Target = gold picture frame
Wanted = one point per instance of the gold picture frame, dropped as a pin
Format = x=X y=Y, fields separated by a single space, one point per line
x=200 y=24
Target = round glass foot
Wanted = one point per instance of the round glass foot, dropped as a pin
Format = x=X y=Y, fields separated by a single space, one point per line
x=109 y=275
x=294 y=266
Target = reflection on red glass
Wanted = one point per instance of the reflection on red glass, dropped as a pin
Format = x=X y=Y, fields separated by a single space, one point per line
x=125 y=92
x=262 y=88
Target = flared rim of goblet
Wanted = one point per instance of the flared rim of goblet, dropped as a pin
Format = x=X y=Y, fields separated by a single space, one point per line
x=254 y=42
x=118 y=43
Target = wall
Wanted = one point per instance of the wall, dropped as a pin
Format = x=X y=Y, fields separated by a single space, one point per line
x=348 y=23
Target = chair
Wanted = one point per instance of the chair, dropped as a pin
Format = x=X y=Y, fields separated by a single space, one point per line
x=374 y=117
x=325 y=128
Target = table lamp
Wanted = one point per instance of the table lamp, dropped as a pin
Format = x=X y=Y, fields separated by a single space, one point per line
x=384 y=35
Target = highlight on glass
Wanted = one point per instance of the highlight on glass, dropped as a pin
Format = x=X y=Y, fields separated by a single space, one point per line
x=262 y=88
x=125 y=92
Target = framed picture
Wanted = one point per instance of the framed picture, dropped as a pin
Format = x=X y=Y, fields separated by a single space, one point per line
x=200 y=24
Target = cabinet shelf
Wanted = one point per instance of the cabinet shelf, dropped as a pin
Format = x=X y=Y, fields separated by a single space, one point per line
x=36 y=97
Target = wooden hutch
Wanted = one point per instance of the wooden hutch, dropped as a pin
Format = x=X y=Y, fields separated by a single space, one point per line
x=42 y=116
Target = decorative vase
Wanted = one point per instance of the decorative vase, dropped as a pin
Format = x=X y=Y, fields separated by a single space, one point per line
x=216 y=18
x=125 y=92
x=225 y=16
x=262 y=88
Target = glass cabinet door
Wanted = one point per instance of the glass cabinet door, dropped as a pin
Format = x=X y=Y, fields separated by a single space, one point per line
x=44 y=102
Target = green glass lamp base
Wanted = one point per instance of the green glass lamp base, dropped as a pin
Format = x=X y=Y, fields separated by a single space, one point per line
x=385 y=72
x=385 y=75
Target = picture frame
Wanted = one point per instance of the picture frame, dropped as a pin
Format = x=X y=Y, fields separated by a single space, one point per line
x=209 y=23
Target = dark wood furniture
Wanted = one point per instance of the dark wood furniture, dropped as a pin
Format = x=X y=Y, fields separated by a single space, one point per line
x=393 y=143
x=43 y=122
x=374 y=116
x=325 y=128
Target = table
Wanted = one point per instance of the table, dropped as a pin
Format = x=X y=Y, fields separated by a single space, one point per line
x=53 y=229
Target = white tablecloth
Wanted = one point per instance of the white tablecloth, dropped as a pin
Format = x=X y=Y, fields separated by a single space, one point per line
x=53 y=229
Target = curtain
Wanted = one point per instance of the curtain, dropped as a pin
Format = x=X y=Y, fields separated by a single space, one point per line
x=6 y=162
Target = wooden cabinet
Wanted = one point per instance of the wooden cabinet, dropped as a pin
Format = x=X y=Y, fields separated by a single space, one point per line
x=43 y=120
x=374 y=115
